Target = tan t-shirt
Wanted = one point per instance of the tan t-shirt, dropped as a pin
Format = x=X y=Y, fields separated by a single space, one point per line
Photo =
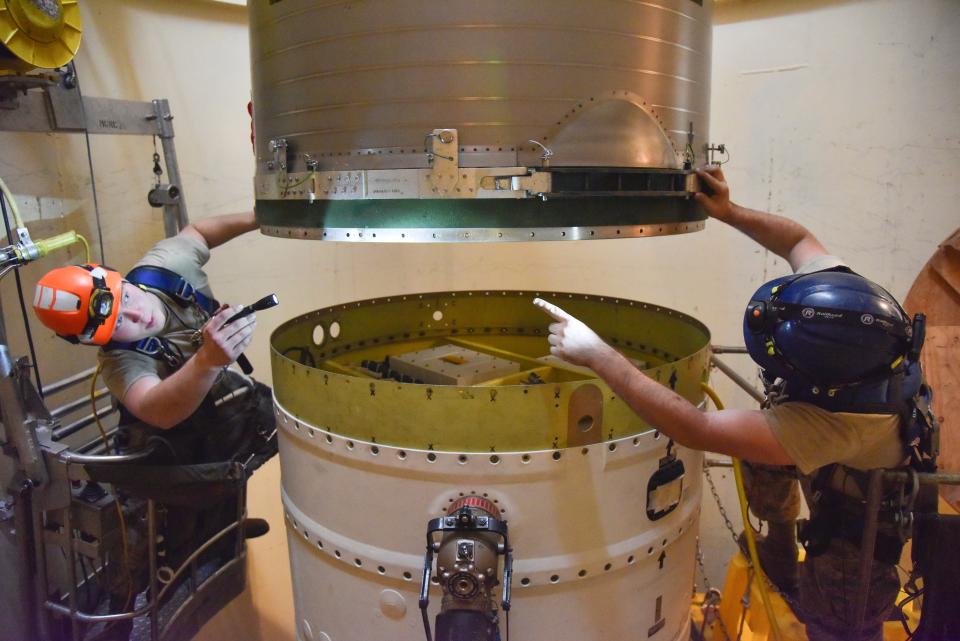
x=814 y=437
x=185 y=256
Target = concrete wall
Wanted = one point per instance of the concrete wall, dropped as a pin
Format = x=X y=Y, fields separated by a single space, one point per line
x=842 y=115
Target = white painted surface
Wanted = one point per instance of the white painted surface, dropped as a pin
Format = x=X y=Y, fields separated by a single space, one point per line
x=853 y=129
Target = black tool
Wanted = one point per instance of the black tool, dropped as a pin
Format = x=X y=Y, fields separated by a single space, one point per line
x=264 y=303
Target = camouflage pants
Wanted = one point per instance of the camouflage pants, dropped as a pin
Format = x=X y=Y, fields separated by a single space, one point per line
x=828 y=582
x=828 y=594
x=773 y=493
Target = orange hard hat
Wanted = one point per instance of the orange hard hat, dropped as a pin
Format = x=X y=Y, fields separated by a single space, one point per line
x=80 y=302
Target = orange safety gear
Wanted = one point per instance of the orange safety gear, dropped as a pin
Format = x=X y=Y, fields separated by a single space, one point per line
x=80 y=302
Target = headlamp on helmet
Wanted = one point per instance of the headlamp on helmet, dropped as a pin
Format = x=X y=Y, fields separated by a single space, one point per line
x=80 y=302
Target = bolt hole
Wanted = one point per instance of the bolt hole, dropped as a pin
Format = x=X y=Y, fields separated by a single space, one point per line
x=630 y=559
x=407 y=576
x=612 y=447
x=431 y=457
x=555 y=578
x=381 y=569
x=525 y=458
x=494 y=459
x=336 y=553
x=607 y=567
x=374 y=450
x=462 y=459
x=582 y=573
x=357 y=562
x=585 y=423
x=557 y=455
x=525 y=581
x=402 y=455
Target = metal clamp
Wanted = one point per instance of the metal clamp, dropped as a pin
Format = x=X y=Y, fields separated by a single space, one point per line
x=278 y=147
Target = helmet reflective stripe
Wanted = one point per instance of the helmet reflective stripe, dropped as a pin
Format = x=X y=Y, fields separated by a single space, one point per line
x=57 y=300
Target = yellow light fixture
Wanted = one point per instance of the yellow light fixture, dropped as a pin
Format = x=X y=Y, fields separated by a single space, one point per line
x=38 y=33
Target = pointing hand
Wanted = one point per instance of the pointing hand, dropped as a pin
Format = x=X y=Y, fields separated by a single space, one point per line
x=571 y=340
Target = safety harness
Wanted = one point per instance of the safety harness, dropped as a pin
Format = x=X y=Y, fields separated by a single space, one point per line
x=180 y=291
x=835 y=513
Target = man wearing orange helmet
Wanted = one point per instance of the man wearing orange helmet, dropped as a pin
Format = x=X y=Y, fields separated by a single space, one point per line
x=165 y=347
x=92 y=304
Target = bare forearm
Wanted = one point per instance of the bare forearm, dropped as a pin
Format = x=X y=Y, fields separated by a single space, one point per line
x=216 y=230
x=663 y=408
x=172 y=400
x=778 y=234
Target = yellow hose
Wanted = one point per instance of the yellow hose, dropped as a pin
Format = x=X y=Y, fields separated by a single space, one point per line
x=17 y=220
x=748 y=531
x=116 y=503
x=48 y=244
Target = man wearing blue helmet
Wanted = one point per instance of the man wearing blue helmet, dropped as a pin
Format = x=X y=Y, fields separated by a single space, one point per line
x=840 y=361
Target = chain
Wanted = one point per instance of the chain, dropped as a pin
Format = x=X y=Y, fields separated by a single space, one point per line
x=711 y=598
x=723 y=511
x=157 y=171
x=726 y=519
x=745 y=602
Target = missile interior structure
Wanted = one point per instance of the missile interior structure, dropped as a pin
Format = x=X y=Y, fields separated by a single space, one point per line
x=547 y=504
x=461 y=121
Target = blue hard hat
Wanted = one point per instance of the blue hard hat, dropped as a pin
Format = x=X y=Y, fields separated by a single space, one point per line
x=828 y=328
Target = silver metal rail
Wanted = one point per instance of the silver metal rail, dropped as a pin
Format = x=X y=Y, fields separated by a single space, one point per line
x=741 y=382
x=90 y=459
x=74 y=405
x=70 y=381
x=63 y=432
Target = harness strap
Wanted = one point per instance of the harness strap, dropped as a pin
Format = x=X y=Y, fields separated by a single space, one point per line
x=834 y=514
x=173 y=285
x=180 y=290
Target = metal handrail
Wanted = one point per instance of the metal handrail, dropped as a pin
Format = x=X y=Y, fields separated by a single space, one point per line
x=98 y=459
x=98 y=618
x=69 y=381
x=63 y=432
x=741 y=382
x=74 y=405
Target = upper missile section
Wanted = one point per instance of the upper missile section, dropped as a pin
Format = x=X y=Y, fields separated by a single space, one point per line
x=461 y=121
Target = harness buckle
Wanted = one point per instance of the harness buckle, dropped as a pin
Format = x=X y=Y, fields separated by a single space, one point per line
x=150 y=346
x=186 y=291
x=904 y=514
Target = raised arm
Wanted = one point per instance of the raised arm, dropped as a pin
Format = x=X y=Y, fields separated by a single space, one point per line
x=216 y=230
x=741 y=433
x=786 y=238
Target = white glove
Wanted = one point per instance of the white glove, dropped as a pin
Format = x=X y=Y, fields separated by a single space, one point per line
x=571 y=340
